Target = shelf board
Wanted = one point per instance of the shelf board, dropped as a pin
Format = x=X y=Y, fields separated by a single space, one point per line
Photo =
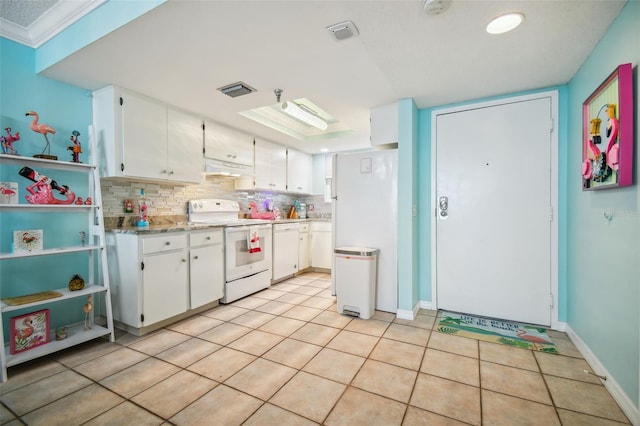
x=44 y=163
x=75 y=334
x=48 y=252
x=66 y=295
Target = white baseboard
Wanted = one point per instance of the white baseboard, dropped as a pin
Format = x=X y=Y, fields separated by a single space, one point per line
x=411 y=315
x=623 y=400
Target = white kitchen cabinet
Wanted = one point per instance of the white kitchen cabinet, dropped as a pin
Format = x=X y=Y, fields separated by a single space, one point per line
x=144 y=138
x=384 y=121
x=25 y=273
x=270 y=166
x=304 y=259
x=299 y=172
x=150 y=276
x=206 y=267
x=227 y=144
x=321 y=250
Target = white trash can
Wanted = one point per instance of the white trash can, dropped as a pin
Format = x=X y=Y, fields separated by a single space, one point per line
x=355 y=277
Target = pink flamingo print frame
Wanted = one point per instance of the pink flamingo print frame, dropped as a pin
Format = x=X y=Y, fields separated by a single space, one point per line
x=607 y=116
x=29 y=330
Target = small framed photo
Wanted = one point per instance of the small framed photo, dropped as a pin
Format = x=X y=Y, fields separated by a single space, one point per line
x=8 y=192
x=28 y=331
x=27 y=240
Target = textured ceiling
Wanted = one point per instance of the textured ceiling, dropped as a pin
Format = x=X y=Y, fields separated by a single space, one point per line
x=181 y=51
x=24 y=12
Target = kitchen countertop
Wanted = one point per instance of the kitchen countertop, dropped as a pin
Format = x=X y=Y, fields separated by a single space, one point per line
x=185 y=226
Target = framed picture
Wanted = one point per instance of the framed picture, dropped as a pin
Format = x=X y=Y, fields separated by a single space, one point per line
x=607 y=115
x=27 y=240
x=8 y=192
x=28 y=331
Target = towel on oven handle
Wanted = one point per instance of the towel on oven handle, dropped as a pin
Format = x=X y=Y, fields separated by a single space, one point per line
x=253 y=240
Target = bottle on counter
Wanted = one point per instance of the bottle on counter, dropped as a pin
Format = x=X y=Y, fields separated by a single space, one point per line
x=143 y=215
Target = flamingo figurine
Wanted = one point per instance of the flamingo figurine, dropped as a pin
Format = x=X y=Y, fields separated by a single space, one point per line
x=41 y=128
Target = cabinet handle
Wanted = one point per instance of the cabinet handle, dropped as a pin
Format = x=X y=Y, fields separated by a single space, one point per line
x=168 y=243
x=171 y=172
x=184 y=260
x=195 y=257
x=208 y=238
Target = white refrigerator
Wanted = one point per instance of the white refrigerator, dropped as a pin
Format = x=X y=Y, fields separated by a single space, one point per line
x=364 y=194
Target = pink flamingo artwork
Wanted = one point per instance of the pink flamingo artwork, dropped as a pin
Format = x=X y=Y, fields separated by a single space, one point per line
x=41 y=193
x=41 y=128
x=27 y=331
x=7 y=142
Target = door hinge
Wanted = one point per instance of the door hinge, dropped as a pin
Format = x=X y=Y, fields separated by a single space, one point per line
x=550 y=124
x=122 y=167
x=141 y=317
x=121 y=101
x=550 y=300
x=142 y=266
x=550 y=214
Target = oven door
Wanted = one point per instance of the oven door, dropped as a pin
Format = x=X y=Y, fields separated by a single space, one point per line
x=239 y=261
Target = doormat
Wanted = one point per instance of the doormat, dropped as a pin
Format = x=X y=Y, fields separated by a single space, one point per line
x=496 y=331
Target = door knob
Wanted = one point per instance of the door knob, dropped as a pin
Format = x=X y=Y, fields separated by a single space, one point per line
x=443 y=208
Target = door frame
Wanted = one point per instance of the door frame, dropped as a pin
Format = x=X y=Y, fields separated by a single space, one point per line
x=553 y=96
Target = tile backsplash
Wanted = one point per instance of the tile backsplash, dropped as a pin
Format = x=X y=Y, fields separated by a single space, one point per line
x=169 y=199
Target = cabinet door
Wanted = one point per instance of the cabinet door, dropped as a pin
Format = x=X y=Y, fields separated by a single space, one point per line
x=164 y=286
x=226 y=144
x=207 y=275
x=321 y=252
x=303 y=251
x=299 y=171
x=185 y=162
x=270 y=166
x=144 y=137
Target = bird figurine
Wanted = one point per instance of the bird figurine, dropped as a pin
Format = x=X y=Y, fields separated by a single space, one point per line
x=76 y=149
x=7 y=142
x=43 y=129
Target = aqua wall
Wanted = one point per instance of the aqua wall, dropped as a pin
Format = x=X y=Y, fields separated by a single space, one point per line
x=603 y=262
x=65 y=108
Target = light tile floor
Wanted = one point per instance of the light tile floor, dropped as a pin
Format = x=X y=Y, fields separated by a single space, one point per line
x=285 y=357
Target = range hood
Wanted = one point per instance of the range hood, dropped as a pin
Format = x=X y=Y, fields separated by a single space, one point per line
x=224 y=168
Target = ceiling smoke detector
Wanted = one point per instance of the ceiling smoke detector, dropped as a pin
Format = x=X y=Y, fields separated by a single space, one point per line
x=236 y=89
x=343 y=30
x=436 y=7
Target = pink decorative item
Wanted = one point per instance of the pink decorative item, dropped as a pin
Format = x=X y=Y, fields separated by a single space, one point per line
x=41 y=192
x=43 y=129
x=79 y=201
x=7 y=142
x=255 y=214
x=28 y=331
x=610 y=165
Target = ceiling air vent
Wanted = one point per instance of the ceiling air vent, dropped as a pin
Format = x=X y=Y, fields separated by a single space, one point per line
x=236 y=89
x=343 y=30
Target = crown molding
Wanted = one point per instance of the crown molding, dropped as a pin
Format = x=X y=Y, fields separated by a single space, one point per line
x=51 y=23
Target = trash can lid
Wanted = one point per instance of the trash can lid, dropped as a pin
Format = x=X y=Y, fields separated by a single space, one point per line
x=356 y=251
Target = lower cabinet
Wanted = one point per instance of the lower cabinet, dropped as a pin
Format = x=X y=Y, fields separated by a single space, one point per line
x=321 y=251
x=161 y=276
x=304 y=260
x=206 y=267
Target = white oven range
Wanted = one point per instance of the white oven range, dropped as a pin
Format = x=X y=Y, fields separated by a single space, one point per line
x=247 y=263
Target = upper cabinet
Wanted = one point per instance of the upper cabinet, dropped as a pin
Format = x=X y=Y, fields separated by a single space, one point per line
x=384 y=124
x=226 y=144
x=144 y=138
x=299 y=172
x=270 y=166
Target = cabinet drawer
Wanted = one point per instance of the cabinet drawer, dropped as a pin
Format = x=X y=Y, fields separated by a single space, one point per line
x=304 y=227
x=165 y=242
x=203 y=238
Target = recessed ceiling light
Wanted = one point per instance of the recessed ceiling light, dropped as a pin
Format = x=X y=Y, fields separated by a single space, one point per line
x=505 y=23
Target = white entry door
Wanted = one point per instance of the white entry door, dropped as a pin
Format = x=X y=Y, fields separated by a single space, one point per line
x=493 y=242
